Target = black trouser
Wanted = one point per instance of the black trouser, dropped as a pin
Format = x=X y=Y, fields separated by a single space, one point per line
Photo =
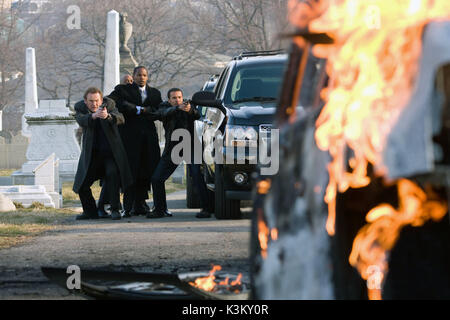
x=163 y=171
x=199 y=185
x=134 y=197
x=103 y=198
x=105 y=167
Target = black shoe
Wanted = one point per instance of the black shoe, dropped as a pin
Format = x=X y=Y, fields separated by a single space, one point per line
x=126 y=214
x=167 y=213
x=102 y=214
x=133 y=213
x=155 y=215
x=85 y=216
x=115 y=215
x=203 y=214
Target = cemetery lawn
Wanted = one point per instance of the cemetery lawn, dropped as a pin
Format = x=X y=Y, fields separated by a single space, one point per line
x=23 y=224
x=6 y=172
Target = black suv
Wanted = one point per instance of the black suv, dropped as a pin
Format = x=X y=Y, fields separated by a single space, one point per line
x=242 y=106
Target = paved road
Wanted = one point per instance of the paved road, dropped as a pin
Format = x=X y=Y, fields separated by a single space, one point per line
x=181 y=243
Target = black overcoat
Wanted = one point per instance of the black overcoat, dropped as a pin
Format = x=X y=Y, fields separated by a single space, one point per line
x=139 y=134
x=110 y=127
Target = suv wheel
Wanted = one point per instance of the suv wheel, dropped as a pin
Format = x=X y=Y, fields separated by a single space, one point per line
x=224 y=208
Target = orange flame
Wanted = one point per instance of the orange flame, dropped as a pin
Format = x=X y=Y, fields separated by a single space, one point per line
x=209 y=284
x=237 y=281
x=372 y=68
x=380 y=235
x=263 y=234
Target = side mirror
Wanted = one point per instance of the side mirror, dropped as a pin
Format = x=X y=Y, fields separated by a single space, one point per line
x=206 y=98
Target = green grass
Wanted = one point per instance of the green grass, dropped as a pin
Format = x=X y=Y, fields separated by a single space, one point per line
x=19 y=226
x=6 y=172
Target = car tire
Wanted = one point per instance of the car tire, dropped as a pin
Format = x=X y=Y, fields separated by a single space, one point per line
x=192 y=198
x=223 y=207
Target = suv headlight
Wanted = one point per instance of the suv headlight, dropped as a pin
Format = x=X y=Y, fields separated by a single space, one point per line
x=241 y=136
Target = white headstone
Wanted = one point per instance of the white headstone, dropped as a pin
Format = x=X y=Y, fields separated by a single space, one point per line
x=6 y=204
x=31 y=98
x=26 y=195
x=112 y=55
x=1 y=120
x=47 y=174
x=52 y=130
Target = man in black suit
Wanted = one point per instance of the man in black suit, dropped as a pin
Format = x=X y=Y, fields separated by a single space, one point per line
x=136 y=102
x=102 y=154
x=177 y=114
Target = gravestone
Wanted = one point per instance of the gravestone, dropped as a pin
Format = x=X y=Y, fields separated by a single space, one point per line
x=6 y=204
x=44 y=186
x=52 y=130
x=31 y=97
x=112 y=55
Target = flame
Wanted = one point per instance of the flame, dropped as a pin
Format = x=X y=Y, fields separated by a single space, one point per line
x=372 y=68
x=209 y=284
x=379 y=236
x=237 y=281
x=263 y=186
x=263 y=234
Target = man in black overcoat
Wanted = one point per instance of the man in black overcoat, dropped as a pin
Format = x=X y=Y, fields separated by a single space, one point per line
x=102 y=154
x=136 y=102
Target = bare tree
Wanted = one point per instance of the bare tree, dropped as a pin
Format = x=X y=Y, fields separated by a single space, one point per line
x=237 y=25
x=13 y=33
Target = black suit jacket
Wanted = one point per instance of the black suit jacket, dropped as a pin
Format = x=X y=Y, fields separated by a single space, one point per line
x=139 y=132
x=173 y=119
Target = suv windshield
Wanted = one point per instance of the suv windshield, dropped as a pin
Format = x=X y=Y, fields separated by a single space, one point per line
x=260 y=82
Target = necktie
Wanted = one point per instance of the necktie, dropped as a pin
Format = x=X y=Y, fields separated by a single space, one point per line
x=143 y=94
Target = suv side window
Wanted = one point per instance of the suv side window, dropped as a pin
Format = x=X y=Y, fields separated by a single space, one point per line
x=221 y=84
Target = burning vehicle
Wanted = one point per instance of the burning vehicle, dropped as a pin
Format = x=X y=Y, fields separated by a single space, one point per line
x=359 y=210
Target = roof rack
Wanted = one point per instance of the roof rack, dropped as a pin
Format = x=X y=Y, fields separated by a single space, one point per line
x=258 y=53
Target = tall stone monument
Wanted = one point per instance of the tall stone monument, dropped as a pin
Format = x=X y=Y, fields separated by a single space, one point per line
x=31 y=98
x=127 y=61
x=112 y=56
